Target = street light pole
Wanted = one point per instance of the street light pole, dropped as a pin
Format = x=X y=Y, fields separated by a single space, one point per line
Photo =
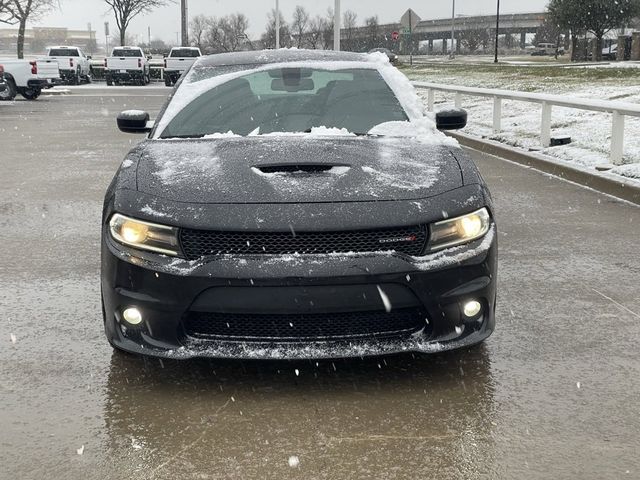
x=497 y=32
x=184 y=8
x=453 y=30
x=336 y=26
x=277 y=24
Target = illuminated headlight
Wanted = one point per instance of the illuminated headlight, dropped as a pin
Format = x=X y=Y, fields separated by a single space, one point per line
x=460 y=230
x=144 y=235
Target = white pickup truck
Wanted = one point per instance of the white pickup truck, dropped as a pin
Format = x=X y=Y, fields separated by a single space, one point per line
x=127 y=65
x=74 y=65
x=179 y=61
x=28 y=77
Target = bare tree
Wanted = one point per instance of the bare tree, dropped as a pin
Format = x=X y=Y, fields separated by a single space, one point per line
x=19 y=12
x=316 y=31
x=373 y=25
x=349 y=22
x=327 y=34
x=6 y=15
x=234 y=30
x=300 y=24
x=226 y=34
x=127 y=10
x=473 y=39
x=199 y=25
x=269 y=36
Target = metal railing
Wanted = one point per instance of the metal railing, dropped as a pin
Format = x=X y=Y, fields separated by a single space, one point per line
x=618 y=110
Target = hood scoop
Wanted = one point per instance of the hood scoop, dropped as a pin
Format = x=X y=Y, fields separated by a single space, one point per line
x=306 y=168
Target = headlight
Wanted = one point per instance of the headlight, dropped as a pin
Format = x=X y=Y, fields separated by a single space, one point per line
x=144 y=235
x=457 y=231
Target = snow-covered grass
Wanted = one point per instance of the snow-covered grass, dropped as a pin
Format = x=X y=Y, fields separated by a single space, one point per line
x=590 y=131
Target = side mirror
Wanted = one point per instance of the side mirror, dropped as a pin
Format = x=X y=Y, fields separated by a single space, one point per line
x=454 y=119
x=88 y=57
x=134 y=121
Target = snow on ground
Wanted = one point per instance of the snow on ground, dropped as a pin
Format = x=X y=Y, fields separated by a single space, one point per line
x=590 y=131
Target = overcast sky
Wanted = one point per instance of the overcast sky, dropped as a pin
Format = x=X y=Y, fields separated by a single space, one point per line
x=165 y=22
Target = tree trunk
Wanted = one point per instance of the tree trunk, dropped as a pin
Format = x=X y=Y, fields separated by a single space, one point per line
x=574 y=47
x=123 y=35
x=597 y=48
x=21 y=31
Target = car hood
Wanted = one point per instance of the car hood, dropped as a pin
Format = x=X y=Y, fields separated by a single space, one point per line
x=295 y=169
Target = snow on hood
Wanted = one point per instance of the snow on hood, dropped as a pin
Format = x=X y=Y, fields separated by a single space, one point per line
x=190 y=89
x=245 y=169
x=423 y=130
x=174 y=166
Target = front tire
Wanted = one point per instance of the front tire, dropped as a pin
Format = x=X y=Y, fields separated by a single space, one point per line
x=10 y=93
x=168 y=82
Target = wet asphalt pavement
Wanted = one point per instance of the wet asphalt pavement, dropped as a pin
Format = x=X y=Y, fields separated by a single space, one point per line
x=555 y=393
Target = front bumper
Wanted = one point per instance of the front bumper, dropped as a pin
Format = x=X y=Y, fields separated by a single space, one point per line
x=167 y=290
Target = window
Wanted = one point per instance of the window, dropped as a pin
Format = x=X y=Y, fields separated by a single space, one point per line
x=290 y=100
x=63 y=52
x=120 y=52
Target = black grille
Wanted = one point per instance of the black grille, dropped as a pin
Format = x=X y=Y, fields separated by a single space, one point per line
x=202 y=243
x=300 y=327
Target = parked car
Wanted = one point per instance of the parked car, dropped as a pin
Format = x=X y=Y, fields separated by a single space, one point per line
x=74 y=65
x=127 y=65
x=610 y=53
x=300 y=207
x=547 y=49
x=179 y=61
x=393 y=58
x=28 y=77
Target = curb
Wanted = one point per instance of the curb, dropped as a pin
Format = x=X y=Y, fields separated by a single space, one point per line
x=602 y=182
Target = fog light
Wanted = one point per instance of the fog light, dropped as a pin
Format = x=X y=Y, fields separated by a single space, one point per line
x=132 y=316
x=472 y=309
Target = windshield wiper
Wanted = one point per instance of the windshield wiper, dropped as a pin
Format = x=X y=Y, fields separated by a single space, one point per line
x=357 y=134
x=200 y=135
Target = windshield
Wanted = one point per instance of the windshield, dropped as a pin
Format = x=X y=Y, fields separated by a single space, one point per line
x=126 y=53
x=63 y=52
x=290 y=100
x=185 y=53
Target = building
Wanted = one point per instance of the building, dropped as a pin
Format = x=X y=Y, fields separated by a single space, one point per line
x=37 y=39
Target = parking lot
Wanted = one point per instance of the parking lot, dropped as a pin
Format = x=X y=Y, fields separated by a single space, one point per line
x=554 y=390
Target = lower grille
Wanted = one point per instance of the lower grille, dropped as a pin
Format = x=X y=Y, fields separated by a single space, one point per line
x=202 y=243
x=301 y=327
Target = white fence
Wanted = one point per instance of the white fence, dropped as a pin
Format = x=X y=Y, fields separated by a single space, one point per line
x=619 y=110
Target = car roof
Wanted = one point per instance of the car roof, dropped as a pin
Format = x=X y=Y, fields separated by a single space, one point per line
x=64 y=47
x=265 y=57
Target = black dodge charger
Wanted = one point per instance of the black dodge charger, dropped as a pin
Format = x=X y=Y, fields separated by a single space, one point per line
x=296 y=204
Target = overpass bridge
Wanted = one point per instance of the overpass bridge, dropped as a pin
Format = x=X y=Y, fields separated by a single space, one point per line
x=432 y=30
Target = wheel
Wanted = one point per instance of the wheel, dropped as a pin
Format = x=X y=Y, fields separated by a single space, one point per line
x=109 y=81
x=30 y=93
x=11 y=91
x=168 y=82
